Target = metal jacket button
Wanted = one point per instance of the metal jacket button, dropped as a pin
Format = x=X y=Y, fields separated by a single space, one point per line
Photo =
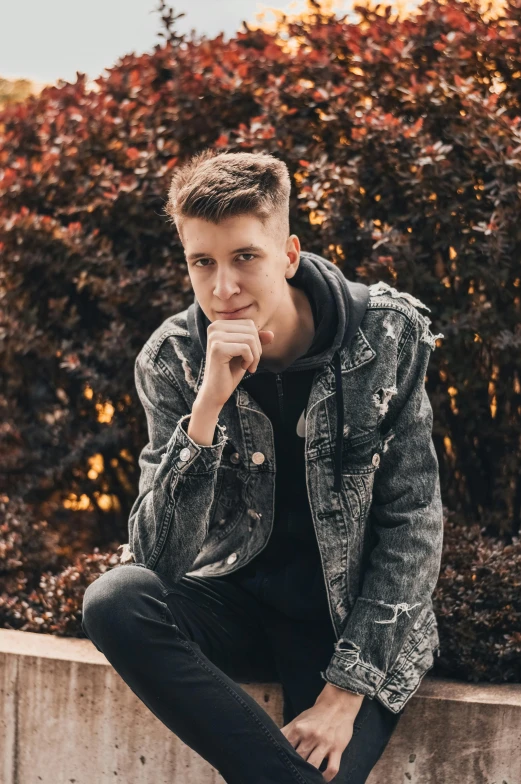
x=231 y=558
x=184 y=454
x=235 y=458
x=376 y=459
x=258 y=458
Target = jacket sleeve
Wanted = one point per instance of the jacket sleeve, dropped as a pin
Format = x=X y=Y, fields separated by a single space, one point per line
x=168 y=521
x=406 y=516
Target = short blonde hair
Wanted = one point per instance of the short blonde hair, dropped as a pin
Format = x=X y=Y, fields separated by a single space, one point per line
x=216 y=185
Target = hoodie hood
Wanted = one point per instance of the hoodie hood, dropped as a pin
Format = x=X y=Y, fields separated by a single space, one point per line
x=343 y=303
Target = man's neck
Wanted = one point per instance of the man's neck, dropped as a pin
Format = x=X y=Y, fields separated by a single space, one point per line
x=294 y=333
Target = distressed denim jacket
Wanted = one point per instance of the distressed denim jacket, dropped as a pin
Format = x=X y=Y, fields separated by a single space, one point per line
x=208 y=510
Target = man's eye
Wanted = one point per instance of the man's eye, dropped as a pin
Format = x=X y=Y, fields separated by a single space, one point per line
x=253 y=255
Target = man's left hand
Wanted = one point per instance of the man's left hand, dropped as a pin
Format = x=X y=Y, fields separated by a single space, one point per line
x=325 y=729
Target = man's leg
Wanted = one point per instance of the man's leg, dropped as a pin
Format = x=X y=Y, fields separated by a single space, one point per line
x=302 y=649
x=178 y=648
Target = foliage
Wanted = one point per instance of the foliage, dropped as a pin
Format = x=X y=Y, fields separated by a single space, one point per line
x=13 y=90
x=27 y=545
x=478 y=606
x=403 y=140
x=477 y=600
x=41 y=585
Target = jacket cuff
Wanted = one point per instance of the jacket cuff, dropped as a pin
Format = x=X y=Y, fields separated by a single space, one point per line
x=347 y=670
x=188 y=457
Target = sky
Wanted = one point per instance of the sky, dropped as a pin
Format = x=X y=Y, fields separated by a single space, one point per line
x=47 y=40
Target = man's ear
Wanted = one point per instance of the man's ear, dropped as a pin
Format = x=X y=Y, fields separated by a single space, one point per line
x=293 y=255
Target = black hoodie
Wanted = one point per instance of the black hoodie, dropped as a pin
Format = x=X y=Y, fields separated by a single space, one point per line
x=287 y=573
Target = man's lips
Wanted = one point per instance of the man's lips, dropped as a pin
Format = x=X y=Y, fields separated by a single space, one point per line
x=229 y=314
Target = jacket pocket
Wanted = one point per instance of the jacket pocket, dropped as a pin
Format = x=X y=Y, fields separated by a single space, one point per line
x=360 y=461
x=229 y=502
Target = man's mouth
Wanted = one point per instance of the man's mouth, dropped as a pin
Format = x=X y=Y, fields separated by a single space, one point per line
x=230 y=313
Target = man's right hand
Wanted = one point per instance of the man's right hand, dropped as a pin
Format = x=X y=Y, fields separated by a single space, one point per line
x=233 y=347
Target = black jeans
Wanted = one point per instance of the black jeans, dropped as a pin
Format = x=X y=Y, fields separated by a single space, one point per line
x=181 y=649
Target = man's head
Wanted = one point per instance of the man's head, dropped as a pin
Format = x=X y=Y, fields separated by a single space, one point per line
x=221 y=204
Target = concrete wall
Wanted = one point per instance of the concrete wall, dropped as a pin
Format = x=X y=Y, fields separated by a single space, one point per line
x=66 y=717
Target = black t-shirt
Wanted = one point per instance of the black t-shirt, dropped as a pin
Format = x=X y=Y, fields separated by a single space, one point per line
x=288 y=574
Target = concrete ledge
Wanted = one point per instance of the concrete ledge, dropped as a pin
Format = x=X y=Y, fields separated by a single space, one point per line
x=66 y=717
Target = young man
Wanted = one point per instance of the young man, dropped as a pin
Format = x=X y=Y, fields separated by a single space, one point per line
x=288 y=525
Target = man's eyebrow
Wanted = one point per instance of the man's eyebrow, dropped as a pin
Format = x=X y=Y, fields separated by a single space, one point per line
x=245 y=249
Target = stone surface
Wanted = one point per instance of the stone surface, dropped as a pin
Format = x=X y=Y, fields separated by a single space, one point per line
x=66 y=717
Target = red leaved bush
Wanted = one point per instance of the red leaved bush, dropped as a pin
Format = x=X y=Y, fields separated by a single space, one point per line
x=478 y=606
x=403 y=140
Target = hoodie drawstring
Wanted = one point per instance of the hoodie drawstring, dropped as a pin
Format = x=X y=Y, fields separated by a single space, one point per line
x=339 y=395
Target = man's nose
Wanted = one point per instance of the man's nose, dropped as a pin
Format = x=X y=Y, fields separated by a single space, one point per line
x=226 y=285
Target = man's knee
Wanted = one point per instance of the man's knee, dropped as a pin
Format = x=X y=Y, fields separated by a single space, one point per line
x=108 y=600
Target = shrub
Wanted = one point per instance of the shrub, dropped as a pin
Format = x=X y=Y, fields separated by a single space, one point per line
x=27 y=546
x=43 y=572
x=478 y=606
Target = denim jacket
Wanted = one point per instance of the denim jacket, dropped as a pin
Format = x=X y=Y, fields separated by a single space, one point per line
x=375 y=501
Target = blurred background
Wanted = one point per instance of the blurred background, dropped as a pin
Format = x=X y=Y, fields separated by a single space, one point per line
x=46 y=41
x=401 y=128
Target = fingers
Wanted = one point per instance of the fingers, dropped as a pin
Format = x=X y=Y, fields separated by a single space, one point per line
x=318 y=755
x=235 y=325
x=245 y=340
x=333 y=766
x=266 y=336
x=237 y=350
x=224 y=338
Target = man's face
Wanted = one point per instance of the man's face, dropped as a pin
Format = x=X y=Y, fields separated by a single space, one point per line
x=238 y=263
